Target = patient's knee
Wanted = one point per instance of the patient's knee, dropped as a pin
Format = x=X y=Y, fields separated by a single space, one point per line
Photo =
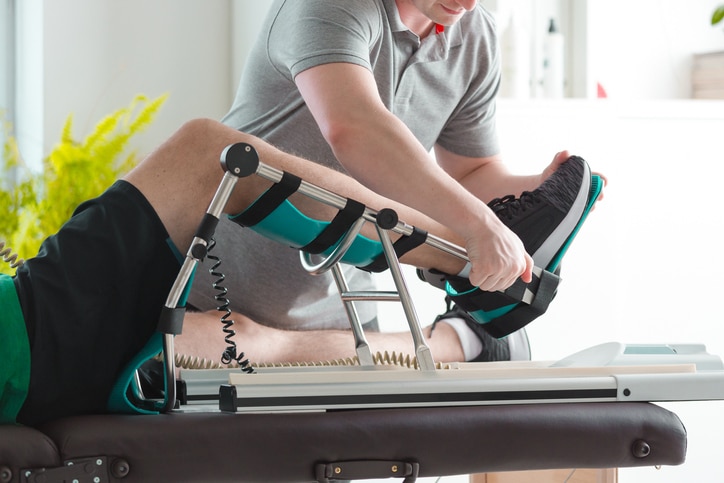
x=199 y=129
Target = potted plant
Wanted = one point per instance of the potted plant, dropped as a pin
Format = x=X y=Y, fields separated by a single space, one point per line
x=38 y=203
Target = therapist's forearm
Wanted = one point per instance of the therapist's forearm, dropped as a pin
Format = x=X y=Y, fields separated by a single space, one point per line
x=379 y=151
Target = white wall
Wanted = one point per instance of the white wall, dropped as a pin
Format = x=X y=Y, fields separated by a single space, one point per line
x=91 y=57
x=246 y=22
x=642 y=49
x=98 y=54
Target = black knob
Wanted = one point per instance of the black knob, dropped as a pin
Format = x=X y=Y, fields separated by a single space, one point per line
x=120 y=468
x=387 y=218
x=6 y=474
x=641 y=449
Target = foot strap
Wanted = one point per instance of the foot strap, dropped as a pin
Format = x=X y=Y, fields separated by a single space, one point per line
x=502 y=313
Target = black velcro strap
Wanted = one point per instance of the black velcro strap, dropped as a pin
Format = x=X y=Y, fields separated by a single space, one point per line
x=524 y=314
x=401 y=246
x=477 y=299
x=544 y=289
x=171 y=320
x=547 y=289
x=518 y=290
x=339 y=225
x=269 y=201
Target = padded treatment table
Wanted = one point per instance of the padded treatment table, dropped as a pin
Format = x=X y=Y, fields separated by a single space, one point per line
x=304 y=446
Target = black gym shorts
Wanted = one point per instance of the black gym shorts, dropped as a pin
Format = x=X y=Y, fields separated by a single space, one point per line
x=91 y=300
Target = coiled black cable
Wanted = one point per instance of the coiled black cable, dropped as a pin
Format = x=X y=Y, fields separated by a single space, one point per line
x=230 y=353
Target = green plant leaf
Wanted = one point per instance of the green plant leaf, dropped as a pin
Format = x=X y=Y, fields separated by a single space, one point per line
x=718 y=15
x=39 y=203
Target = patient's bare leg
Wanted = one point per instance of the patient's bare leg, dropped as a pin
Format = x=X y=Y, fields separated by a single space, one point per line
x=180 y=178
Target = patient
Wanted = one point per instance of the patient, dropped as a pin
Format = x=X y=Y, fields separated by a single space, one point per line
x=75 y=315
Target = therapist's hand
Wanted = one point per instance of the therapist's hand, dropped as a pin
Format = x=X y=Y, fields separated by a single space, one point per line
x=497 y=256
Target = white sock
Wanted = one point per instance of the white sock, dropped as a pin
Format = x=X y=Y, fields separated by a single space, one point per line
x=465 y=272
x=472 y=345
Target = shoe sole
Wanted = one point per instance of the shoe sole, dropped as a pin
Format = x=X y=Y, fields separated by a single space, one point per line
x=596 y=185
x=545 y=256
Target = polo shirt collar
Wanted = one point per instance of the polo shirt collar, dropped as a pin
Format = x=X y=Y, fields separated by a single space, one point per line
x=393 y=16
x=451 y=36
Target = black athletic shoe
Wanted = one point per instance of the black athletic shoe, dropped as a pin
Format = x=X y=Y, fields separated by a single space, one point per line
x=512 y=348
x=546 y=220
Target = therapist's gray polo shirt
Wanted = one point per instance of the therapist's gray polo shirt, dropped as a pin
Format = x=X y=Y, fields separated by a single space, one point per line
x=442 y=88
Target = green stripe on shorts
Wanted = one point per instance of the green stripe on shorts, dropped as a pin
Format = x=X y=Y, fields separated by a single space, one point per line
x=14 y=353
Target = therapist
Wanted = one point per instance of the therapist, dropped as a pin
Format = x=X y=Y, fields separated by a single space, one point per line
x=370 y=88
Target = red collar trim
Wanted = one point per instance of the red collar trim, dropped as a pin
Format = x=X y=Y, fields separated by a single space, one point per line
x=439 y=28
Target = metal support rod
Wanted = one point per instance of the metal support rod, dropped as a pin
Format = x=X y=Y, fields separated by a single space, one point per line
x=222 y=195
x=375 y=296
x=177 y=290
x=169 y=362
x=196 y=251
x=336 y=254
x=362 y=347
x=422 y=350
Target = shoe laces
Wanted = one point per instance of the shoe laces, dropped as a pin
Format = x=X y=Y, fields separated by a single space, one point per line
x=509 y=206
